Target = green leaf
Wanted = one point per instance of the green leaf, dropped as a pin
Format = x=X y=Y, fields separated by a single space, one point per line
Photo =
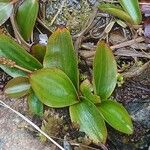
x=117 y=116
x=53 y=88
x=12 y=50
x=90 y=120
x=35 y=105
x=17 y=87
x=26 y=16
x=38 y=51
x=5 y=11
x=87 y=89
x=61 y=54
x=133 y=9
x=105 y=71
x=116 y=11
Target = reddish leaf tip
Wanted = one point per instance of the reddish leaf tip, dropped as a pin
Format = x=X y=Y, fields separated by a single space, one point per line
x=61 y=28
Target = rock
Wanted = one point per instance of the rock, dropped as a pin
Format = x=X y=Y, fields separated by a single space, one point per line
x=135 y=96
x=13 y=129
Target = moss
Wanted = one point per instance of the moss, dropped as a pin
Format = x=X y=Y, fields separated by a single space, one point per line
x=73 y=15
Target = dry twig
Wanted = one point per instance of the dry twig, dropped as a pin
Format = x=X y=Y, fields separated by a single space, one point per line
x=43 y=24
x=17 y=34
x=88 y=54
x=58 y=12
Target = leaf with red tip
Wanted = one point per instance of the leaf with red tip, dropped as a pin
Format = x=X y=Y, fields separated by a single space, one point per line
x=60 y=53
x=105 y=71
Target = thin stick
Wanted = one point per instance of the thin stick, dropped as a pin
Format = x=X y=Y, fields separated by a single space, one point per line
x=128 y=43
x=58 y=12
x=38 y=129
x=17 y=34
x=88 y=54
x=32 y=124
x=43 y=24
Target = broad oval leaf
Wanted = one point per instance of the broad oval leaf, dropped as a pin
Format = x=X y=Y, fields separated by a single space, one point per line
x=87 y=91
x=38 y=51
x=105 y=71
x=53 y=88
x=26 y=16
x=116 y=11
x=17 y=87
x=90 y=120
x=5 y=11
x=60 y=53
x=117 y=116
x=133 y=9
x=12 y=50
x=35 y=105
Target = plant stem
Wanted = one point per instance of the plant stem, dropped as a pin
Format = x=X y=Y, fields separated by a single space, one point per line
x=23 y=69
x=12 y=64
